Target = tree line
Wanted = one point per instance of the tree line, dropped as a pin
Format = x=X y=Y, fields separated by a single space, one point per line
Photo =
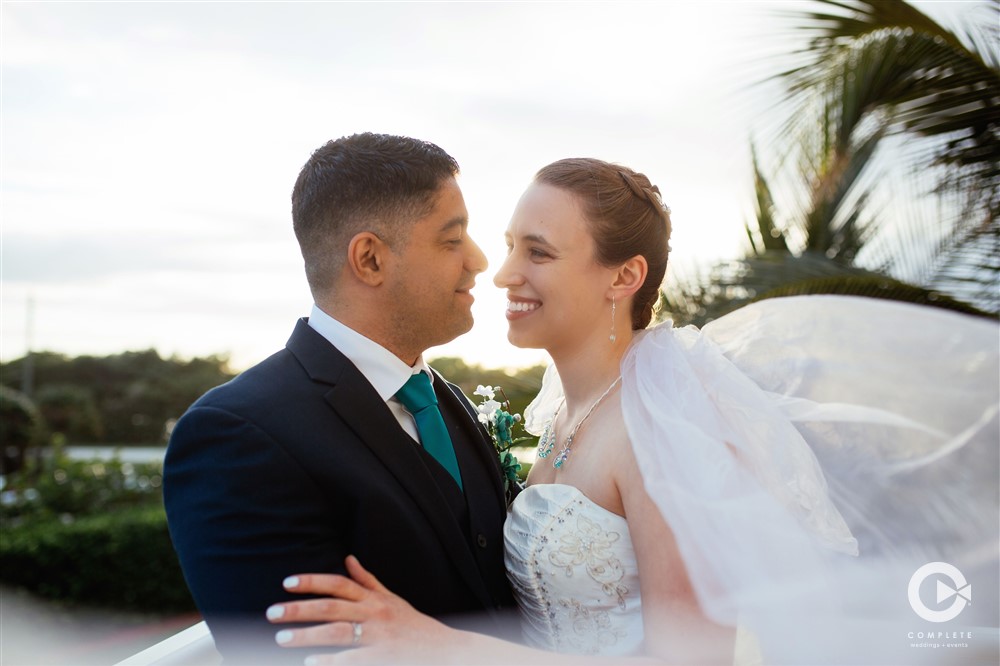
x=125 y=398
x=133 y=398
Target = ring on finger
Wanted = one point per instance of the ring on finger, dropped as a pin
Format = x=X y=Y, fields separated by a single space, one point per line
x=358 y=631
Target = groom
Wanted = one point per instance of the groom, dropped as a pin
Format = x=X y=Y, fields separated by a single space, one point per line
x=328 y=447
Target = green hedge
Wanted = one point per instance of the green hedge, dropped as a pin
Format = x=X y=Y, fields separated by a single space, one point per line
x=93 y=532
x=123 y=559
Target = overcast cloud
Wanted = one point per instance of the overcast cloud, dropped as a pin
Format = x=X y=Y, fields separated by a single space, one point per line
x=149 y=149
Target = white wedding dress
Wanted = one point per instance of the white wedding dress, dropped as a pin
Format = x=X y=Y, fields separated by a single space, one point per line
x=573 y=571
x=809 y=455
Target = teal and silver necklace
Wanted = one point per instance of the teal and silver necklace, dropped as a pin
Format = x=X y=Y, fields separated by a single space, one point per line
x=548 y=441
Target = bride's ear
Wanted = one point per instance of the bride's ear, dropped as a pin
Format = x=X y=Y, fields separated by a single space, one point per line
x=630 y=276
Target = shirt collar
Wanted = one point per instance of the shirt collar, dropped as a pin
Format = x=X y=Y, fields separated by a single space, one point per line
x=383 y=369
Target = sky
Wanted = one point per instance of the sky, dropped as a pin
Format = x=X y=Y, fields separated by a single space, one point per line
x=148 y=150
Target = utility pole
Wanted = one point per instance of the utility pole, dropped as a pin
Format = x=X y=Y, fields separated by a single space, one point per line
x=28 y=367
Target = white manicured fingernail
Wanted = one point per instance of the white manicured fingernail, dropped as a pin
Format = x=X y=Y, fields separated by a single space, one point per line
x=311 y=661
x=275 y=612
x=291 y=581
x=284 y=636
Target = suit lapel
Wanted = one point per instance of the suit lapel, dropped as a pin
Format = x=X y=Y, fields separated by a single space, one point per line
x=483 y=465
x=361 y=408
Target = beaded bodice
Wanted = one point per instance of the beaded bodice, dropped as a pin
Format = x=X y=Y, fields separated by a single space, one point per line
x=573 y=571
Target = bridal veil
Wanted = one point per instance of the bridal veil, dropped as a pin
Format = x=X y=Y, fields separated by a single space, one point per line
x=812 y=455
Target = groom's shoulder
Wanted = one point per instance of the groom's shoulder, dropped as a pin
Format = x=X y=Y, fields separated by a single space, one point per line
x=264 y=381
x=277 y=374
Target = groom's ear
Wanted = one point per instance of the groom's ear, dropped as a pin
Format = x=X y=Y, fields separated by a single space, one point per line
x=366 y=256
x=630 y=276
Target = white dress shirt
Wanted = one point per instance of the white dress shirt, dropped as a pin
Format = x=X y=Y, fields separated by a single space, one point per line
x=383 y=369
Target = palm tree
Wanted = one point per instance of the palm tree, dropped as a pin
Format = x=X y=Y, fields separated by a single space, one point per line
x=879 y=82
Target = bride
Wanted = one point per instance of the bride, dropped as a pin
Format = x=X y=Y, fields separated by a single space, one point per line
x=763 y=488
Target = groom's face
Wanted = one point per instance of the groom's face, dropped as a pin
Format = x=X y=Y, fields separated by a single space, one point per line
x=433 y=273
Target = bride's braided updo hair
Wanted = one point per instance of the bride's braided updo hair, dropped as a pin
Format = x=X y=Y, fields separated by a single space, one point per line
x=626 y=217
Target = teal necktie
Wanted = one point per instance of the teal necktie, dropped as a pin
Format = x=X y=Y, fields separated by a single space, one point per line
x=418 y=397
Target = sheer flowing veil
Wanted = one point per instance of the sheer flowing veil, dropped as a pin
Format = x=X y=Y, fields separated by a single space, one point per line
x=810 y=455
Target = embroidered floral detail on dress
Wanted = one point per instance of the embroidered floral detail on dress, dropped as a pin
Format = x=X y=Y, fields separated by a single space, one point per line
x=590 y=546
x=593 y=626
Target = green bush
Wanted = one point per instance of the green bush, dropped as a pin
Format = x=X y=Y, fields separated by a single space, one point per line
x=123 y=559
x=91 y=532
x=72 y=489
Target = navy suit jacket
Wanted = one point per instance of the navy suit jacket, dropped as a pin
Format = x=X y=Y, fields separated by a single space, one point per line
x=297 y=463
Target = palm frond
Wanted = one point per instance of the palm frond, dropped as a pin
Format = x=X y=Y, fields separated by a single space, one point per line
x=698 y=300
x=767 y=235
x=834 y=220
x=926 y=80
x=969 y=266
x=847 y=21
x=875 y=286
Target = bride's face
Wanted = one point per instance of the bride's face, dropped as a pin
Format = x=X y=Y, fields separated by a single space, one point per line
x=558 y=295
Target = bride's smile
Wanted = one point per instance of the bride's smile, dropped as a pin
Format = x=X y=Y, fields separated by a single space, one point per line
x=517 y=308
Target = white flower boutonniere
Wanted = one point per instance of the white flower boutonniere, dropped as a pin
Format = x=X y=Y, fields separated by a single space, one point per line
x=499 y=422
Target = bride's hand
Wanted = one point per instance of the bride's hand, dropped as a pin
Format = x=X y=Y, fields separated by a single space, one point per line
x=357 y=612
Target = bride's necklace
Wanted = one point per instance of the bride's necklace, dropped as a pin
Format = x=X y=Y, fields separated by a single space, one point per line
x=548 y=441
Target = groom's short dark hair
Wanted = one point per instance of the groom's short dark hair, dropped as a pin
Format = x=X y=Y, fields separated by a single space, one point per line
x=364 y=182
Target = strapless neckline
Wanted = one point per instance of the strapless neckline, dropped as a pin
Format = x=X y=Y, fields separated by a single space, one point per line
x=554 y=489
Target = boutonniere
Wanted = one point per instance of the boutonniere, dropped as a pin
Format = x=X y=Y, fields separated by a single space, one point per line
x=495 y=415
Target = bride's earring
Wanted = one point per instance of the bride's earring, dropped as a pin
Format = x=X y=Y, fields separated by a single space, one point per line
x=612 y=337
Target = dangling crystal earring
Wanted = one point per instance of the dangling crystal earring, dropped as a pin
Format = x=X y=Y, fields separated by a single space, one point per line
x=612 y=337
